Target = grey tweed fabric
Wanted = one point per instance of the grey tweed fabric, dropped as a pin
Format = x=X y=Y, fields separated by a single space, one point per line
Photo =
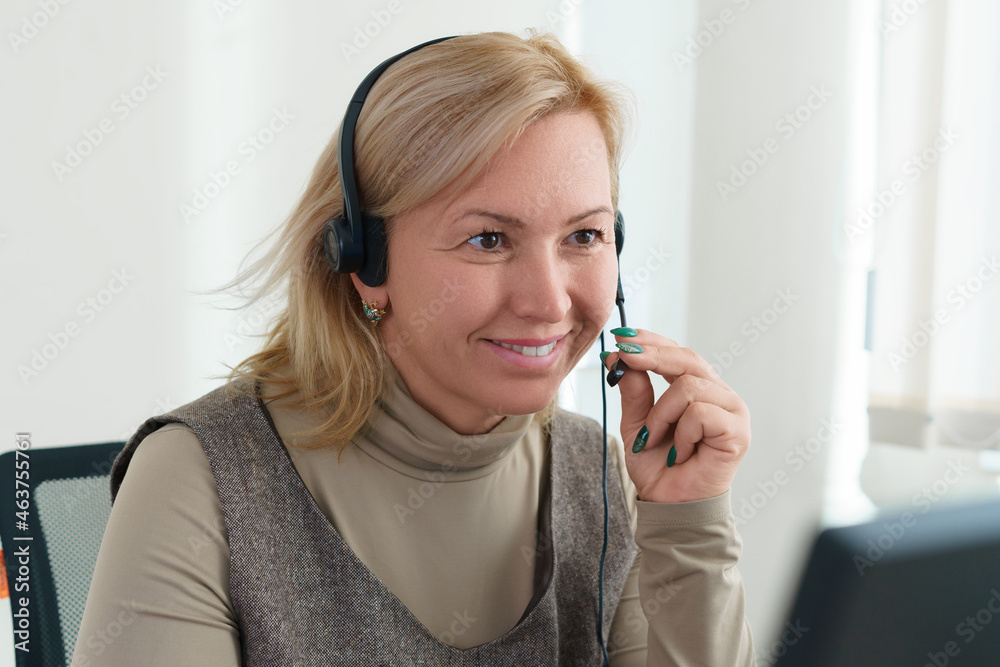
x=302 y=597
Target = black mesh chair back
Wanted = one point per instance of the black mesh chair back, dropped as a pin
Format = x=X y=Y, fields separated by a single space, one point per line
x=54 y=506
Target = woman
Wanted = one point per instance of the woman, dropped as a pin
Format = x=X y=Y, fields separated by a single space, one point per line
x=388 y=482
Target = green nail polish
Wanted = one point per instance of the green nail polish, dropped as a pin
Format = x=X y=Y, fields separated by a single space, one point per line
x=640 y=440
x=631 y=348
x=626 y=332
x=671 y=456
x=604 y=356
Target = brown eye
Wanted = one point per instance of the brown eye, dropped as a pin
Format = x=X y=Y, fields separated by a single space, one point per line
x=490 y=241
x=584 y=236
x=487 y=240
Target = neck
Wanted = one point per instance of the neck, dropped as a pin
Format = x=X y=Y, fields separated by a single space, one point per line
x=458 y=417
x=410 y=433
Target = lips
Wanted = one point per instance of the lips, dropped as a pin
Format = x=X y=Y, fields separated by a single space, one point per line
x=528 y=350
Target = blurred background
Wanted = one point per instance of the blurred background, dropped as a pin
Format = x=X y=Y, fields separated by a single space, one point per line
x=811 y=199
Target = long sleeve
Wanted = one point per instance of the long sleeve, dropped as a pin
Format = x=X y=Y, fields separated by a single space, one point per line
x=160 y=592
x=683 y=601
x=691 y=592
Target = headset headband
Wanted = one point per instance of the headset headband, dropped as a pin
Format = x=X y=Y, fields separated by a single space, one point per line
x=355 y=242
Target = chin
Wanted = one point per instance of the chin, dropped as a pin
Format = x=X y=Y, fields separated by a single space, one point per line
x=524 y=403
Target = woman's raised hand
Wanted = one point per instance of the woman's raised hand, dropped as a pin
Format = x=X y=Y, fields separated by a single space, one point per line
x=691 y=440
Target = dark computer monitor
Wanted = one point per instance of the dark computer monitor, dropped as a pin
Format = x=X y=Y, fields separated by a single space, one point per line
x=912 y=588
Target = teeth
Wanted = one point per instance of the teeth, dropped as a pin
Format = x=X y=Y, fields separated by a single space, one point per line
x=540 y=351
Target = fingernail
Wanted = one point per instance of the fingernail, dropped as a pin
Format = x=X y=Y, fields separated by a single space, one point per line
x=630 y=348
x=616 y=373
x=640 y=440
x=627 y=332
x=671 y=456
x=604 y=356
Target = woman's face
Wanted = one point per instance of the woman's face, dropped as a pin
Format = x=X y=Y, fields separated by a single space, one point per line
x=495 y=297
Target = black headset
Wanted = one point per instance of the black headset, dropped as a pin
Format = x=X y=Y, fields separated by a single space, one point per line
x=355 y=243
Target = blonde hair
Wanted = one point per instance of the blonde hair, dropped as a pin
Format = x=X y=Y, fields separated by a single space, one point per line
x=429 y=128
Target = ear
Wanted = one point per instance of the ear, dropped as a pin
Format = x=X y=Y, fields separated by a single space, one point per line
x=368 y=294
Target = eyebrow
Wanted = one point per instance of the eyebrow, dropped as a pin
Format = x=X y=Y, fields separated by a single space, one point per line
x=517 y=222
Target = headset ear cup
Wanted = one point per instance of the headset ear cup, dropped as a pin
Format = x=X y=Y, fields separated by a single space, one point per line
x=334 y=235
x=343 y=252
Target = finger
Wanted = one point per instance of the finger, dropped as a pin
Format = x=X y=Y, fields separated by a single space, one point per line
x=688 y=390
x=712 y=432
x=637 y=398
x=664 y=357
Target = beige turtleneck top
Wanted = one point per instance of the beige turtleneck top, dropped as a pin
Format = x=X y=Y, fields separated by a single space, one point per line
x=402 y=498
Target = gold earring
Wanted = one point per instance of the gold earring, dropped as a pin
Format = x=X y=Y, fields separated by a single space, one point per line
x=372 y=312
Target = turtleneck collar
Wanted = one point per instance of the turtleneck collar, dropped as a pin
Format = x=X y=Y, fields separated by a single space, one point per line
x=408 y=433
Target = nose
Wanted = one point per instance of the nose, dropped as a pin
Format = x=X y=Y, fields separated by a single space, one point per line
x=542 y=289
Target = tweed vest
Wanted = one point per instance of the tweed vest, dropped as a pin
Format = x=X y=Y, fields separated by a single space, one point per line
x=302 y=597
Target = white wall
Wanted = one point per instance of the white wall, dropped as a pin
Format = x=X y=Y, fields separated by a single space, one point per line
x=767 y=247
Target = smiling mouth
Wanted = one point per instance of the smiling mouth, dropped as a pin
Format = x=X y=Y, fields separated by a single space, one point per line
x=540 y=351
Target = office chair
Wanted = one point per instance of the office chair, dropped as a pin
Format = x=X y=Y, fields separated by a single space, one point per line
x=60 y=526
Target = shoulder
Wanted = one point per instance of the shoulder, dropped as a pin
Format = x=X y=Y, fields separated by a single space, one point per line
x=177 y=430
x=171 y=445
x=170 y=455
